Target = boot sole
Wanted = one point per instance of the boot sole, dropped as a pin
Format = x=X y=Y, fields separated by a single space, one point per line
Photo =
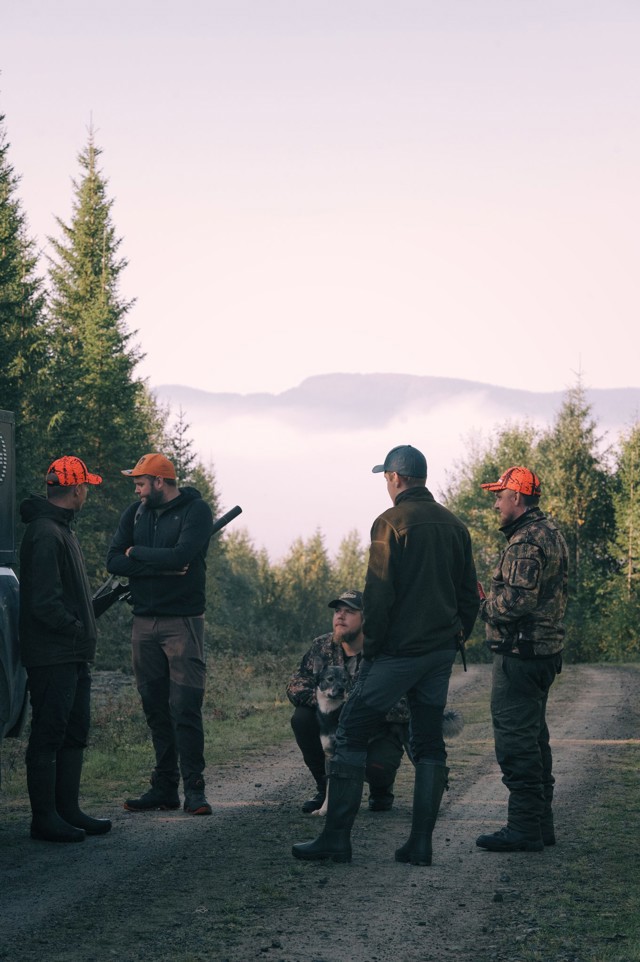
x=152 y=808
x=521 y=847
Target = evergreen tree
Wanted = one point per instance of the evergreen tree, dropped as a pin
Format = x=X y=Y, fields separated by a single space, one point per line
x=619 y=636
x=350 y=564
x=99 y=410
x=22 y=330
x=577 y=494
x=305 y=581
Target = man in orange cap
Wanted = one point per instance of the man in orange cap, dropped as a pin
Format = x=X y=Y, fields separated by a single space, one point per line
x=161 y=545
x=523 y=613
x=57 y=642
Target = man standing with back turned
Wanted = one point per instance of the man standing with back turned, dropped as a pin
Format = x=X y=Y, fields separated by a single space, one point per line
x=161 y=545
x=420 y=601
x=523 y=613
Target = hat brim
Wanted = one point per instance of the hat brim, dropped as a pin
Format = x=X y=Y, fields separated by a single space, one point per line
x=93 y=479
x=493 y=486
x=338 y=601
x=378 y=469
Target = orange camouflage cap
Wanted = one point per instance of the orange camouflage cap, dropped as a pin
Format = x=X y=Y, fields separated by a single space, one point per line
x=156 y=465
x=70 y=470
x=516 y=479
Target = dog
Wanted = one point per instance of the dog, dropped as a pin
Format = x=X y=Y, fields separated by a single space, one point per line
x=333 y=684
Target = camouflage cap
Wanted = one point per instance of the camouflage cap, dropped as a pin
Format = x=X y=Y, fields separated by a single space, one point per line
x=516 y=479
x=69 y=470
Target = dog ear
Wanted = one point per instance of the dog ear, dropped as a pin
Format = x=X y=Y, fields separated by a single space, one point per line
x=319 y=664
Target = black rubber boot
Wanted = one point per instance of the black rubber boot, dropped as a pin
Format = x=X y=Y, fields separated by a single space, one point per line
x=68 y=773
x=428 y=789
x=345 y=795
x=546 y=821
x=315 y=803
x=510 y=840
x=46 y=824
x=162 y=795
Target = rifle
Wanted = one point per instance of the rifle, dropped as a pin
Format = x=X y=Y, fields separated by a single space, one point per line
x=113 y=589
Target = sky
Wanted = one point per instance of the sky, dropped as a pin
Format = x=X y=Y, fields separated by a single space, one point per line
x=432 y=187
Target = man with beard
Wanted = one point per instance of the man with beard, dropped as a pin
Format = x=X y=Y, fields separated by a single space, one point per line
x=343 y=646
x=160 y=546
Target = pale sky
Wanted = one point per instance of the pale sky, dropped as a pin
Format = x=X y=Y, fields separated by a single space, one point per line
x=443 y=187
x=431 y=187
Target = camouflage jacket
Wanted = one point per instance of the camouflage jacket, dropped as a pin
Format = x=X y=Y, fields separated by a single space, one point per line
x=301 y=689
x=525 y=606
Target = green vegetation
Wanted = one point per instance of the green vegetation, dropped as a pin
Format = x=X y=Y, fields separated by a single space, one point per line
x=69 y=375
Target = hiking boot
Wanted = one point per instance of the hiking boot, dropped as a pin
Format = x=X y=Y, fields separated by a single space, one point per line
x=195 y=801
x=315 y=803
x=381 y=801
x=162 y=795
x=510 y=840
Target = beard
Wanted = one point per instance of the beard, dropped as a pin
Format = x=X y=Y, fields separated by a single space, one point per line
x=341 y=634
x=154 y=499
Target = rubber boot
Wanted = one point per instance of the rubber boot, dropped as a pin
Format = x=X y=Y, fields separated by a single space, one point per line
x=345 y=795
x=46 y=824
x=69 y=770
x=381 y=797
x=428 y=789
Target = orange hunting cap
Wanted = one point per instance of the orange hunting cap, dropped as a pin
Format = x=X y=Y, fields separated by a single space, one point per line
x=69 y=470
x=516 y=479
x=155 y=465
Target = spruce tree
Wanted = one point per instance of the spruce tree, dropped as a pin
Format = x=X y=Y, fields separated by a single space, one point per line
x=100 y=411
x=22 y=331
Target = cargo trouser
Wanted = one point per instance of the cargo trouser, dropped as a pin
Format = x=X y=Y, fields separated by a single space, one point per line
x=169 y=667
x=381 y=683
x=518 y=705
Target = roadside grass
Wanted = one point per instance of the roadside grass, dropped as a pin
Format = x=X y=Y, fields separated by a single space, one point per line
x=593 y=912
x=245 y=709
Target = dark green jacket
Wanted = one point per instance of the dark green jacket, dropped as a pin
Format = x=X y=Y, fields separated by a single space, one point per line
x=57 y=624
x=421 y=591
x=528 y=597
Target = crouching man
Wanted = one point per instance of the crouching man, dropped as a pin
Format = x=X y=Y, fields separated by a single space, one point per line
x=343 y=647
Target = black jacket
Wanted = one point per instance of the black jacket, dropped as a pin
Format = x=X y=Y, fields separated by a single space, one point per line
x=421 y=590
x=57 y=624
x=164 y=541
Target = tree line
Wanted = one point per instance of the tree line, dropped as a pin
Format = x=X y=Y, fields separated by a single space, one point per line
x=68 y=373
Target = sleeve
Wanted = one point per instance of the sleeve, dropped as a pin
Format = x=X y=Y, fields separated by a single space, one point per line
x=117 y=561
x=379 y=591
x=301 y=689
x=515 y=587
x=468 y=600
x=46 y=600
x=195 y=532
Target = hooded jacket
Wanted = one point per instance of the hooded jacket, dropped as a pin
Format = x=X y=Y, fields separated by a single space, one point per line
x=528 y=597
x=163 y=542
x=421 y=591
x=56 y=621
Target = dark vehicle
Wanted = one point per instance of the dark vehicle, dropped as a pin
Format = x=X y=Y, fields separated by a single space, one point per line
x=13 y=678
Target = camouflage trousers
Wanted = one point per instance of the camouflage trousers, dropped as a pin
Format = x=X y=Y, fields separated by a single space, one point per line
x=518 y=707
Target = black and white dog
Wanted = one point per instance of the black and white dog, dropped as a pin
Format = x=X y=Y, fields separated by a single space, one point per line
x=333 y=683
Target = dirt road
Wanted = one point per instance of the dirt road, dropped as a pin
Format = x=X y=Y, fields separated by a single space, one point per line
x=172 y=887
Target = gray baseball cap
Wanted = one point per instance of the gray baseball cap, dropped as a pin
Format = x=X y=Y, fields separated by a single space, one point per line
x=405 y=461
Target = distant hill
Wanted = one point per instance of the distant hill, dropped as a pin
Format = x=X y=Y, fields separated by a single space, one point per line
x=363 y=401
x=302 y=459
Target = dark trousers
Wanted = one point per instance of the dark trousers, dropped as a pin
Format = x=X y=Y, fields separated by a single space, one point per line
x=169 y=667
x=518 y=705
x=381 y=683
x=384 y=751
x=61 y=707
